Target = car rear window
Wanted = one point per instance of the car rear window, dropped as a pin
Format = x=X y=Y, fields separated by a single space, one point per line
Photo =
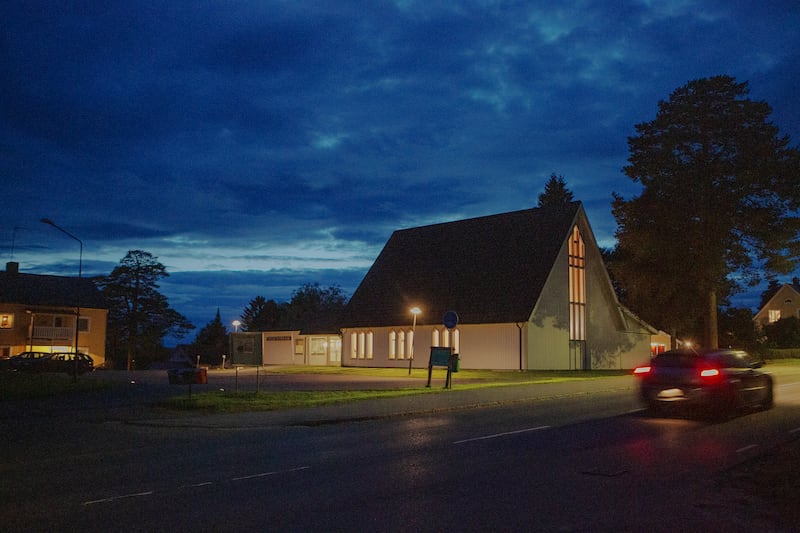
x=675 y=360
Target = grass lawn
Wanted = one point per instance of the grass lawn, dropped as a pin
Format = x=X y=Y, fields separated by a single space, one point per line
x=230 y=402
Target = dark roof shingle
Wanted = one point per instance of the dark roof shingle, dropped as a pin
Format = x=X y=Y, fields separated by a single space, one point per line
x=55 y=291
x=489 y=269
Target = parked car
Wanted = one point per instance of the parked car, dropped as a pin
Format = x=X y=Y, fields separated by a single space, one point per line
x=65 y=362
x=715 y=381
x=27 y=361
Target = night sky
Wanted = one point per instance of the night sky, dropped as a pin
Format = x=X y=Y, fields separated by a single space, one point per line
x=256 y=146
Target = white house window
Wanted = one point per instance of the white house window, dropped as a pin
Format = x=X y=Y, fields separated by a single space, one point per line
x=362 y=341
x=774 y=315
x=368 y=347
x=392 y=345
x=435 y=338
x=353 y=345
x=410 y=343
x=6 y=321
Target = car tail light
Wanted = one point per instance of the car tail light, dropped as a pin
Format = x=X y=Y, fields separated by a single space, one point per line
x=642 y=370
x=710 y=374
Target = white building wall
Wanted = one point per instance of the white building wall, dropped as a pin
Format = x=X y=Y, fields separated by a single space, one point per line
x=548 y=328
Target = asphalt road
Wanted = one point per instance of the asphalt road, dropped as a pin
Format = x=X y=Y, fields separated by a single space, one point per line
x=569 y=458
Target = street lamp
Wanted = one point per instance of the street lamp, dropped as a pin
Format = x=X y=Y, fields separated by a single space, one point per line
x=78 y=292
x=236 y=324
x=414 y=311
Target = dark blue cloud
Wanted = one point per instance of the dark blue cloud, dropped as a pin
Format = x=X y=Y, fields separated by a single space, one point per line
x=269 y=137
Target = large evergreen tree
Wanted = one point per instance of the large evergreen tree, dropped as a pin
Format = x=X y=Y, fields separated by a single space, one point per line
x=211 y=341
x=718 y=206
x=139 y=316
x=262 y=315
x=555 y=192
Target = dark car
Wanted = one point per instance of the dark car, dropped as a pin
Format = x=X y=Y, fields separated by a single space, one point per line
x=716 y=382
x=65 y=362
x=27 y=361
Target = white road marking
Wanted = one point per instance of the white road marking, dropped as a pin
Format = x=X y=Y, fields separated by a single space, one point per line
x=114 y=498
x=496 y=435
x=265 y=474
x=747 y=448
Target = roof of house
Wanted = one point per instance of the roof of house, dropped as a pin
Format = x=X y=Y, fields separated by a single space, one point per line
x=55 y=291
x=488 y=270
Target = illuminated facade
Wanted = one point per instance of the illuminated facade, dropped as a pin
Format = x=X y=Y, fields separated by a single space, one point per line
x=38 y=313
x=529 y=287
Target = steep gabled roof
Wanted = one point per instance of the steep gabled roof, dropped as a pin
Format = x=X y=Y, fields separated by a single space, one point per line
x=55 y=291
x=489 y=269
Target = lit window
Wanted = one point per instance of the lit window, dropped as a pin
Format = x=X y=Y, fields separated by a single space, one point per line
x=6 y=321
x=435 y=338
x=392 y=345
x=369 y=345
x=353 y=345
x=774 y=315
x=577 y=286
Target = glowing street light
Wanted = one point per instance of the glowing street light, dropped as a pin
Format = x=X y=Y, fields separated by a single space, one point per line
x=236 y=324
x=414 y=311
x=78 y=292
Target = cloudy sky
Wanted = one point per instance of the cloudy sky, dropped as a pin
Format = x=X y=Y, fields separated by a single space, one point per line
x=254 y=146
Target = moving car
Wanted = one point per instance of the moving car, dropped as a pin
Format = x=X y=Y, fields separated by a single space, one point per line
x=716 y=381
x=65 y=362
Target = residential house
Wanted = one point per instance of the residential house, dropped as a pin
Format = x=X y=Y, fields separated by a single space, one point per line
x=529 y=288
x=38 y=313
x=784 y=304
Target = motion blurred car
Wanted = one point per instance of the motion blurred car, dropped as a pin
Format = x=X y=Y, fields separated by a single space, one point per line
x=65 y=362
x=27 y=361
x=715 y=382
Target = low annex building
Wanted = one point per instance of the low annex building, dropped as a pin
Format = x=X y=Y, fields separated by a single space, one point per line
x=38 y=313
x=529 y=287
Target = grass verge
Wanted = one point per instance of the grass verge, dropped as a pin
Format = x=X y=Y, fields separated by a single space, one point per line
x=234 y=402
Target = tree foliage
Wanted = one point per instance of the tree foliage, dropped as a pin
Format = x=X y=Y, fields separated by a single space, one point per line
x=211 y=341
x=139 y=316
x=261 y=315
x=718 y=206
x=555 y=193
x=310 y=308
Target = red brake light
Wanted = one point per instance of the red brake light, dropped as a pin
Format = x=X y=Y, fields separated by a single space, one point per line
x=709 y=373
x=641 y=370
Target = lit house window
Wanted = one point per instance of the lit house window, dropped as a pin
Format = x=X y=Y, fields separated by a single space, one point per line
x=774 y=315
x=392 y=345
x=6 y=321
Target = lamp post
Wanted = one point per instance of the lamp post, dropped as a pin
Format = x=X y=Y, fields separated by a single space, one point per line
x=236 y=324
x=414 y=311
x=77 y=293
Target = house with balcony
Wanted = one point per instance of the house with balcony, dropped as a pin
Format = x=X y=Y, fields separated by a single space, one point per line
x=45 y=313
x=785 y=303
x=529 y=290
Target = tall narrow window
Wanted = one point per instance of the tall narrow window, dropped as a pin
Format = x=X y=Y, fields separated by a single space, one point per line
x=577 y=287
x=392 y=345
x=401 y=345
x=369 y=345
x=435 y=337
x=353 y=345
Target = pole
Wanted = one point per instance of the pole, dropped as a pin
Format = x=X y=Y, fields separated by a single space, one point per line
x=78 y=292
